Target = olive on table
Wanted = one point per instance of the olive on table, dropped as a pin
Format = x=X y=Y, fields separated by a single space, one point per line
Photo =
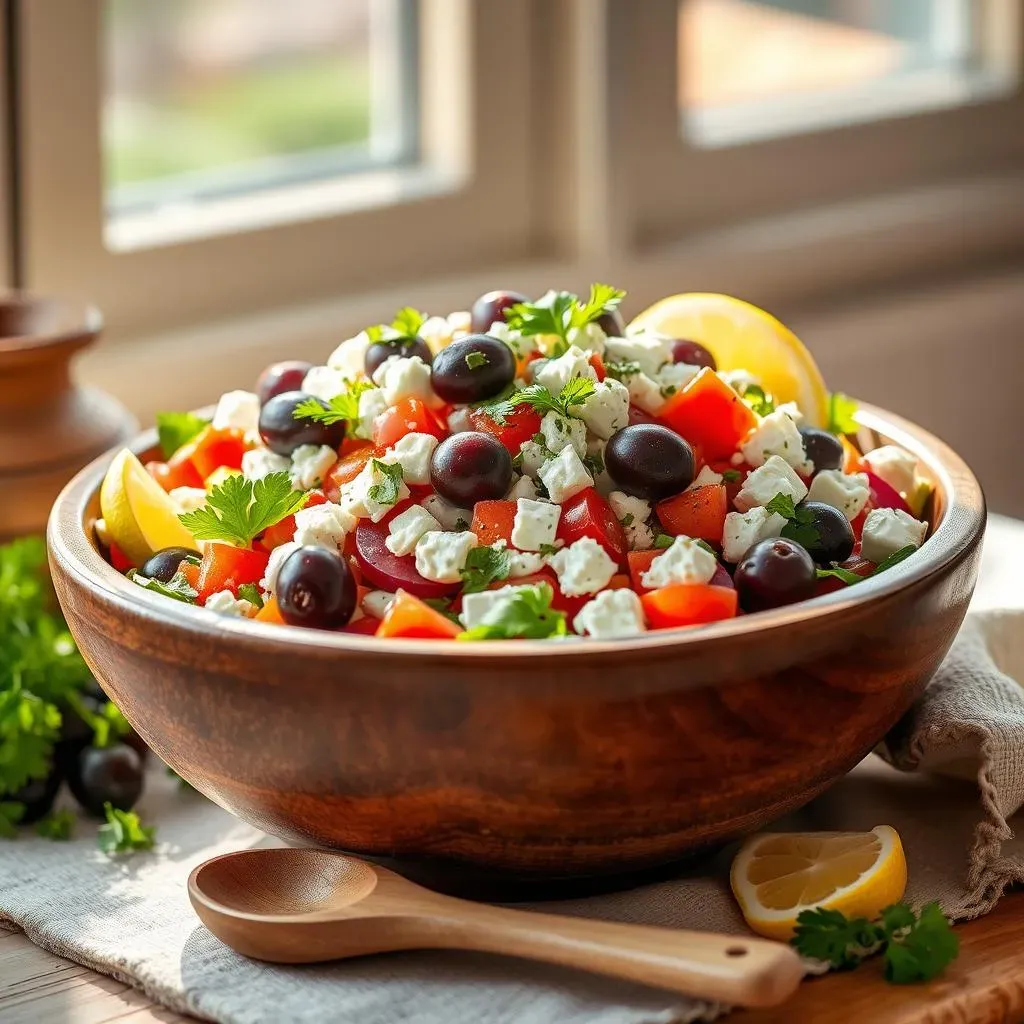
x=283 y=433
x=316 y=588
x=405 y=348
x=693 y=353
x=825 y=450
x=649 y=461
x=490 y=308
x=472 y=369
x=829 y=535
x=164 y=564
x=469 y=467
x=106 y=775
x=774 y=573
x=278 y=378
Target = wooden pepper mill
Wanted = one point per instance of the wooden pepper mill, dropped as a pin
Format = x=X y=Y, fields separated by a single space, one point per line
x=49 y=426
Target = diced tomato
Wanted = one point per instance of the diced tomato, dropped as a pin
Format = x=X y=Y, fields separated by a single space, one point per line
x=347 y=468
x=190 y=570
x=119 y=560
x=270 y=612
x=734 y=476
x=709 y=413
x=226 y=568
x=408 y=616
x=182 y=474
x=688 y=604
x=352 y=444
x=211 y=450
x=282 y=532
x=639 y=563
x=521 y=423
x=366 y=626
x=589 y=515
x=408 y=416
x=492 y=520
x=699 y=513
x=598 y=364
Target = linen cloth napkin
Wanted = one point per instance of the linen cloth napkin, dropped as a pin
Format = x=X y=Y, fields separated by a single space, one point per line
x=131 y=918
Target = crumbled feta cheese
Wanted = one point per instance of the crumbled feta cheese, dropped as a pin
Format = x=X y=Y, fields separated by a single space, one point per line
x=441 y=557
x=744 y=530
x=606 y=410
x=612 y=613
x=238 y=410
x=651 y=351
x=524 y=563
x=400 y=377
x=535 y=524
x=323 y=526
x=364 y=496
x=350 y=356
x=686 y=561
x=260 y=462
x=460 y=420
x=707 y=477
x=187 y=499
x=460 y=321
x=559 y=431
x=522 y=346
x=596 y=466
x=848 y=493
x=776 y=476
x=532 y=457
x=413 y=453
x=633 y=514
x=776 y=434
x=887 y=530
x=674 y=377
x=792 y=410
x=371 y=404
x=225 y=603
x=376 y=603
x=325 y=382
x=436 y=331
x=522 y=487
x=739 y=380
x=898 y=468
x=310 y=464
x=451 y=517
x=583 y=567
x=486 y=606
x=407 y=528
x=590 y=337
x=278 y=557
x=556 y=373
x=645 y=393
x=564 y=476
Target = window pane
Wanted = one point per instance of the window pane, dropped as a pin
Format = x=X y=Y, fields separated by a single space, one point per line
x=756 y=68
x=215 y=99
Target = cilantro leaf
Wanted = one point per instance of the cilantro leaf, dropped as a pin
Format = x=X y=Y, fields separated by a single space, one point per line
x=922 y=948
x=29 y=726
x=663 y=540
x=251 y=592
x=238 y=510
x=831 y=936
x=758 y=399
x=177 y=587
x=842 y=411
x=621 y=371
x=124 y=832
x=408 y=322
x=11 y=812
x=386 y=491
x=57 y=826
x=603 y=299
x=550 y=314
x=484 y=565
x=526 y=614
x=894 y=559
x=801 y=523
x=343 y=408
x=474 y=360
x=548 y=549
x=782 y=504
x=575 y=392
x=730 y=476
x=176 y=429
x=836 y=571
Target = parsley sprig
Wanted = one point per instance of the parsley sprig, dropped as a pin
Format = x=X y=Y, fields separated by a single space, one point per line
x=556 y=313
x=389 y=485
x=177 y=587
x=527 y=614
x=405 y=326
x=800 y=526
x=917 y=947
x=484 y=566
x=850 y=578
x=57 y=826
x=239 y=510
x=842 y=412
x=176 y=429
x=124 y=832
x=759 y=400
x=343 y=408
x=574 y=393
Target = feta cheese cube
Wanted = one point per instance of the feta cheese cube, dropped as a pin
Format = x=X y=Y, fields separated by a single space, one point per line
x=590 y=337
x=554 y=374
x=371 y=404
x=887 y=530
x=278 y=557
x=460 y=420
x=451 y=517
x=371 y=494
x=776 y=476
x=535 y=524
x=645 y=393
x=406 y=529
x=524 y=563
x=225 y=603
x=413 y=453
x=399 y=377
x=260 y=462
x=674 y=377
x=436 y=331
x=633 y=514
x=238 y=410
x=350 y=356
x=559 y=431
x=848 y=493
x=325 y=382
x=606 y=410
x=739 y=380
x=583 y=567
x=745 y=529
x=187 y=499
x=522 y=487
x=486 y=606
x=612 y=613
x=376 y=603
x=441 y=557
x=898 y=468
x=310 y=464
x=792 y=410
x=521 y=346
x=565 y=476
x=651 y=351
x=595 y=464
x=686 y=561
x=707 y=477
x=460 y=321
x=532 y=457
x=323 y=526
x=776 y=434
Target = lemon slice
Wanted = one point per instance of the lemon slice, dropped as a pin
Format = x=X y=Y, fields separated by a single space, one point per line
x=139 y=516
x=742 y=337
x=775 y=876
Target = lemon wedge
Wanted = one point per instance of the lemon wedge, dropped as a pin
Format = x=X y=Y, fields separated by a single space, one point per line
x=139 y=516
x=742 y=337
x=775 y=876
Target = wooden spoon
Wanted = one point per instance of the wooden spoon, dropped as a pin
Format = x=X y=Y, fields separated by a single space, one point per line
x=305 y=905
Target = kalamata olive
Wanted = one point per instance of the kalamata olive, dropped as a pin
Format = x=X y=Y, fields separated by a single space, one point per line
x=823 y=449
x=774 y=573
x=164 y=564
x=278 y=378
x=693 y=353
x=828 y=536
x=612 y=324
x=283 y=433
x=37 y=796
x=405 y=348
x=649 y=461
x=103 y=774
x=490 y=308
x=469 y=467
x=316 y=588
x=472 y=369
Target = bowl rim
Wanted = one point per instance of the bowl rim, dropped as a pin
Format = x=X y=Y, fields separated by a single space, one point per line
x=962 y=522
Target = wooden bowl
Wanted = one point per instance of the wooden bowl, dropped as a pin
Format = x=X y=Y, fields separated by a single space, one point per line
x=532 y=759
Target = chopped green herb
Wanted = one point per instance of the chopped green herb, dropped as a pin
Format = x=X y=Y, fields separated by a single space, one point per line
x=251 y=592
x=176 y=429
x=405 y=326
x=11 y=812
x=842 y=414
x=758 y=399
x=555 y=313
x=594 y=461
x=461 y=524
x=730 y=476
x=343 y=408
x=548 y=549
x=57 y=826
x=603 y=299
x=628 y=519
x=386 y=491
x=701 y=543
x=124 y=832
x=177 y=587
x=476 y=359
x=800 y=526
x=663 y=540
x=837 y=572
x=574 y=393
x=107 y=722
x=621 y=371
x=526 y=614
x=484 y=566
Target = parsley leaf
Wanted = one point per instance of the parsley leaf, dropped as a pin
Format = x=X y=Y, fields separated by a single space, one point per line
x=57 y=826
x=343 y=408
x=548 y=549
x=405 y=325
x=251 y=592
x=124 y=832
x=574 y=393
x=621 y=371
x=238 y=510
x=730 y=476
x=474 y=360
x=175 y=429
x=11 y=812
x=842 y=411
x=386 y=491
x=895 y=558
x=800 y=526
x=758 y=399
x=603 y=299
x=526 y=614
x=781 y=504
x=555 y=313
x=831 y=936
x=921 y=949
x=836 y=571
x=442 y=605
x=484 y=565
x=663 y=540
x=107 y=723
x=177 y=587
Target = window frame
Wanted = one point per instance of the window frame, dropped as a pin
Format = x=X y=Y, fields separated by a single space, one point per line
x=474 y=141
x=7 y=144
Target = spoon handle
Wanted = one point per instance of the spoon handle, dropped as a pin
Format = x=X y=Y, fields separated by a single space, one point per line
x=721 y=968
